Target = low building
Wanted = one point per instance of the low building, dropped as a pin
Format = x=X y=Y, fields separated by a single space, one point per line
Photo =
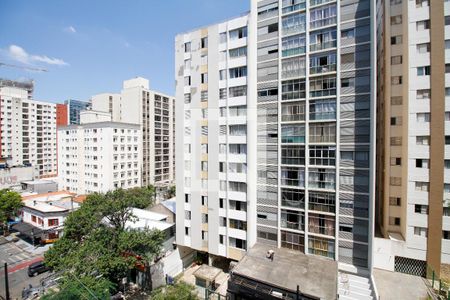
x=11 y=177
x=288 y=275
x=43 y=215
x=168 y=208
x=40 y=186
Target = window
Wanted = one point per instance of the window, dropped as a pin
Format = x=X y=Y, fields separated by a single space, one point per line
x=447 y=68
x=295 y=23
x=293 y=67
x=422 y=3
x=293 y=133
x=204 y=78
x=395 y=20
x=322 y=178
x=322 y=86
x=322 y=63
x=421 y=209
x=422 y=140
x=395 y=2
x=238 y=33
x=292 y=155
x=223 y=93
x=238 y=149
x=238 y=52
x=293 y=176
x=293 y=111
x=187 y=64
x=321 y=246
x=423 y=48
x=238 y=72
x=238 y=130
x=322 y=201
x=396 y=121
x=238 y=111
x=292 y=219
x=396 y=80
x=293 y=45
x=423 y=94
x=447 y=44
x=293 y=5
x=293 y=89
x=221 y=239
x=237 y=91
x=447 y=139
x=422 y=186
x=187 y=80
x=268 y=92
x=322 y=16
x=238 y=224
x=187 y=98
x=204 y=42
x=348 y=82
x=348 y=33
x=187 y=214
x=420 y=231
x=447 y=164
x=187 y=198
x=423 y=117
x=447 y=19
x=396 y=60
x=396 y=40
x=423 y=25
x=322 y=133
x=446 y=234
x=422 y=163
x=394 y=221
x=322 y=109
x=423 y=71
x=394 y=201
x=322 y=155
x=53 y=222
x=186 y=230
x=321 y=224
x=187 y=47
x=292 y=198
x=322 y=39
x=396 y=161
x=222 y=37
x=204 y=166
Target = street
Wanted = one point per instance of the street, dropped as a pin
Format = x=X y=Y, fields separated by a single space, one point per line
x=18 y=255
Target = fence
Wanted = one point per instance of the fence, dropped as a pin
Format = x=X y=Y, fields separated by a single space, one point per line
x=440 y=287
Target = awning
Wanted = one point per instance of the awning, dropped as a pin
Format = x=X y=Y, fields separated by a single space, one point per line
x=27 y=229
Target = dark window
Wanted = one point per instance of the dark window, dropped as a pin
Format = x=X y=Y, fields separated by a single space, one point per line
x=272 y=28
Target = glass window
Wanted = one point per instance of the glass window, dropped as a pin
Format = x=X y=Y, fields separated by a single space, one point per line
x=292 y=219
x=322 y=16
x=294 y=133
x=322 y=63
x=293 y=89
x=293 y=5
x=293 y=176
x=322 y=109
x=322 y=201
x=295 y=23
x=237 y=91
x=238 y=33
x=293 y=45
x=322 y=86
x=322 y=155
x=292 y=155
x=322 y=133
x=293 y=198
x=293 y=67
x=238 y=72
x=322 y=39
x=238 y=52
x=293 y=111
x=322 y=178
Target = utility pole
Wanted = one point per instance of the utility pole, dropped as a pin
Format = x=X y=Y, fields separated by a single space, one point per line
x=7 y=282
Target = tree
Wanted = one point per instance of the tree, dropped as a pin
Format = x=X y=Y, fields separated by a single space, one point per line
x=96 y=241
x=171 y=192
x=178 y=291
x=10 y=204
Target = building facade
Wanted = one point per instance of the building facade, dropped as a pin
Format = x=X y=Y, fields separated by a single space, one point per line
x=74 y=107
x=278 y=117
x=413 y=180
x=62 y=115
x=154 y=112
x=28 y=131
x=214 y=140
x=99 y=157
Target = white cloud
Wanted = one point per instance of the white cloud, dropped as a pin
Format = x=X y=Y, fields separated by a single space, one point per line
x=19 y=54
x=70 y=29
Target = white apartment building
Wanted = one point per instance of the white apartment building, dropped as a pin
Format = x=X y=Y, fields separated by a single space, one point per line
x=28 y=131
x=276 y=137
x=413 y=182
x=99 y=157
x=215 y=138
x=155 y=114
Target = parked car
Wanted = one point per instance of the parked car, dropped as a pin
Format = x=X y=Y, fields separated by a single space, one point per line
x=37 y=268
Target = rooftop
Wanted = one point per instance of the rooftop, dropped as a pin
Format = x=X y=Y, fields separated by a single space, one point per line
x=170 y=204
x=50 y=202
x=207 y=273
x=316 y=276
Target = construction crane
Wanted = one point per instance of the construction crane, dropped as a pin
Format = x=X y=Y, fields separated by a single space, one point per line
x=23 y=67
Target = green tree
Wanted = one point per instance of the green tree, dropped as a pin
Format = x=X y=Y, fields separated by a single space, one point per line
x=179 y=291
x=10 y=204
x=171 y=191
x=75 y=289
x=97 y=243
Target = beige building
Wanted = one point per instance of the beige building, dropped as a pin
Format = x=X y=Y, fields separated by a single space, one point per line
x=155 y=112
x=413 y=156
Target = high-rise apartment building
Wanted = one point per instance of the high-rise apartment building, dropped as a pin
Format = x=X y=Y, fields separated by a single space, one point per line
x=99 y=155
x=154 y=112
x=413 y=167
x=276 y=134
x=62 y=117
x=216 y=134
x=74 y=107
x=28 y=131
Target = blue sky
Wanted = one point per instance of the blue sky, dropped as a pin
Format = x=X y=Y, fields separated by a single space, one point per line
x=91 y=46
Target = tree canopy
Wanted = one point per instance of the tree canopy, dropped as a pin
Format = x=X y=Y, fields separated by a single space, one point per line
x=10 y=204
x=96 y=242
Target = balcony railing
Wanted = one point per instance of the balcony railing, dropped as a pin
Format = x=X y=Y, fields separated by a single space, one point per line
x=322 y=69
x=292 y=225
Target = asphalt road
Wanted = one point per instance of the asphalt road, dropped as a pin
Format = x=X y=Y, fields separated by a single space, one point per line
x=19 y=280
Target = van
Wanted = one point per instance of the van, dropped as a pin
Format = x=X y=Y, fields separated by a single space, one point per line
x=37 y=268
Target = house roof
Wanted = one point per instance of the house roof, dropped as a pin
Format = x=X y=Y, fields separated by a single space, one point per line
x=50 y=202
x=170 y=204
